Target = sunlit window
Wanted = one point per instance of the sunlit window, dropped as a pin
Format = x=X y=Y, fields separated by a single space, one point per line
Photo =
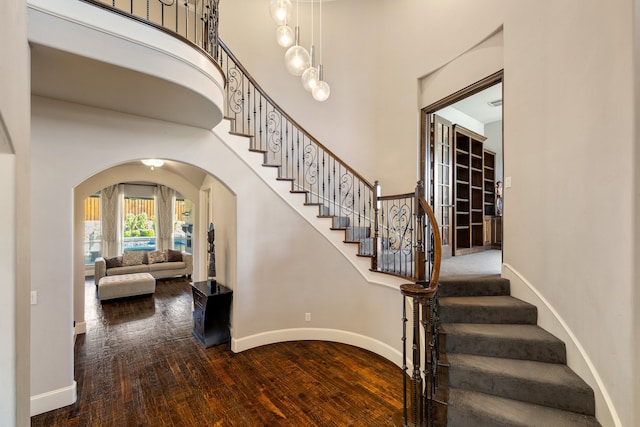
x=182 y=226
x=139 y=224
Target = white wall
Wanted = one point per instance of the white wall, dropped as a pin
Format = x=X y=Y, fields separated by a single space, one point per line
x=373 y=57
x=277 y=278
x=493 y=132
x=569 y=147
x=14 y=190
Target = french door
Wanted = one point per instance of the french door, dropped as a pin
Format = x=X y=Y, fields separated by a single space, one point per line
x=441 y=147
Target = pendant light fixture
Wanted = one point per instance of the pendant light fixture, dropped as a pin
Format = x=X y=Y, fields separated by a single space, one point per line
x=321 y=90
x=281 y=13
x=284 y=35
x=297 y=58
x=310 y=75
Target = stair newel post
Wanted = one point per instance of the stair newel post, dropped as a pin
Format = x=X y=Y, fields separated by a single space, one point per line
x=376 y=225
x=405 y=367
x=418 y=409
x=416 y=379
x=419 y=245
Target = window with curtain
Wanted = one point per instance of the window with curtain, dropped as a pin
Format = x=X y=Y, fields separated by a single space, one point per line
x=130 y=217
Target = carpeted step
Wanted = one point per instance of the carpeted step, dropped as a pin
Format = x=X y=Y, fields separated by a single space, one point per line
x=355 y=234
x=467 y=408
x=529 y=342
x=548 y=384
x=473 y=286
x=324 y=211
x=491 y=309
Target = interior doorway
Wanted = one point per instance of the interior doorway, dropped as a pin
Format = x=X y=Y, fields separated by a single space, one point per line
x=462 y=164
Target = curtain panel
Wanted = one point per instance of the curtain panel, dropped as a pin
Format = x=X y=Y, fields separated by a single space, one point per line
x=112 y=201
x=165 y=213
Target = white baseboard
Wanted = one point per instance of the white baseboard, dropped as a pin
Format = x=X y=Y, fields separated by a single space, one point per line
x=54 y=399
x=305 y=334
x=577 y=358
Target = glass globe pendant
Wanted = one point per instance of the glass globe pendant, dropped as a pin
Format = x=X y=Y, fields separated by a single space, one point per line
x=322 y=90
x=281 y=11
x=311 y=75
x=284 y=35
x=297 y=58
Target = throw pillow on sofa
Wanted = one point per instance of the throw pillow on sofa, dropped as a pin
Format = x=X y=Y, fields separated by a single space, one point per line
x=113 y=262
x=156 y=257
x=133 y=258
x=174 y=256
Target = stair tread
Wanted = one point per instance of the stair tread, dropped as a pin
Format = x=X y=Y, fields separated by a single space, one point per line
x=487 y=309
x=525 y=369
x=484 y=301
x=513 y=341
x=549 y=384
x=500 y=331
x=479 y=409
x=473 y=286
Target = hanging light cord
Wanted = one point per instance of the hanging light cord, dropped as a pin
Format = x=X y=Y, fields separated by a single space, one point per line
x=320 y=68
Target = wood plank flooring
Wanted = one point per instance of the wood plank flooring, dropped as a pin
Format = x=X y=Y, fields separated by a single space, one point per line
x=139 y=365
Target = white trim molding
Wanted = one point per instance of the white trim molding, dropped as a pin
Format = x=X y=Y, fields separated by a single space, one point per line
x=320 y=334
x=54 y=399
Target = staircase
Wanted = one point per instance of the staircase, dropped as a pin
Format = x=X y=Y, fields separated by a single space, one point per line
x=501 y=369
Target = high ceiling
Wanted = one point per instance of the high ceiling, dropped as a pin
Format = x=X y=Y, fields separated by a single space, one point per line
x=478 y=105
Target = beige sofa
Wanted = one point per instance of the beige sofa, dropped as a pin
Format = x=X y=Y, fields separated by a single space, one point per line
x=158 y=270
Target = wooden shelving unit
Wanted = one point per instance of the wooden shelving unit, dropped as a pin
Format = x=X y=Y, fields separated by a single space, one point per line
x=489 y=183
x=469 y=191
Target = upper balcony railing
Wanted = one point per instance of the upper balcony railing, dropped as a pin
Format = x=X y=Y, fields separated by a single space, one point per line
x=196 y=21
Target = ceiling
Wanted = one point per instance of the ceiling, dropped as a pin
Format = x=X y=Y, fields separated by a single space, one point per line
x=478 y=107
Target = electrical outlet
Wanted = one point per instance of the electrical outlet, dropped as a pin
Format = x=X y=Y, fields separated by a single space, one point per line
x=34 y=297
x=307 y=317
x=507 y=182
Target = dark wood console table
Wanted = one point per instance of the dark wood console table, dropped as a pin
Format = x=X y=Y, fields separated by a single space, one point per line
x=212 y=307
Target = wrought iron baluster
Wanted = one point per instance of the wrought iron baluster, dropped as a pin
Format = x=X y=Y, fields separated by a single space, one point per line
x=257 y=142
x=405 y=367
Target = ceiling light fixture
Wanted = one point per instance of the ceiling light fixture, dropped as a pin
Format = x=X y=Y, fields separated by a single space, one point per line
x=153 y=163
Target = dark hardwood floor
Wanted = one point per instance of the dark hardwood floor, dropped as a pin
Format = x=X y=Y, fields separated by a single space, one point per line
x=139 y=365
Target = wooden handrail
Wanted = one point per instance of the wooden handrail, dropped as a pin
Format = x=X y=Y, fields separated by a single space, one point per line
x=396 y=196
x=288 y=117
x=437 y=243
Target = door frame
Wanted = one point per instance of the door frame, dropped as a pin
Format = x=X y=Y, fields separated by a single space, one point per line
x=426 y=136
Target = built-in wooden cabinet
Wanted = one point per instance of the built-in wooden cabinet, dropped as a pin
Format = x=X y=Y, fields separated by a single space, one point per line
x=469 y=191
x=489 y=168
